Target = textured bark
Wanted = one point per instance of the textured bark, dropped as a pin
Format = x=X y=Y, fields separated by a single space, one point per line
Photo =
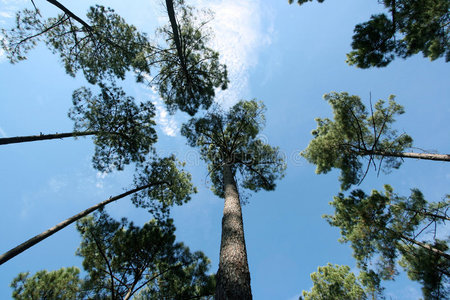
x=233 y=277
x=42 y=137
x=36 y=239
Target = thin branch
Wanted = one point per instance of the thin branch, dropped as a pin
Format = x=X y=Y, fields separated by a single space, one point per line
x=57 y=23
x=256 y=171
x=107 y=264
x=71 y=14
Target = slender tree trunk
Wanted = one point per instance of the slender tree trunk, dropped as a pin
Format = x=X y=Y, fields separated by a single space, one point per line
x=41 y=137
x=36 y=239
x=233 y=277
x=427 y=156
x=426 y=246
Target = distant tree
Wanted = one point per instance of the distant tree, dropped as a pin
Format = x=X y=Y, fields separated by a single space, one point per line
x=105 y=47
x=337 y=282
x=120 y=260
x=228 y=142
x=409 y=27
x=63 y=284
x=354 y=133
x=384 y=226
x=159 y=185
x=123 y=130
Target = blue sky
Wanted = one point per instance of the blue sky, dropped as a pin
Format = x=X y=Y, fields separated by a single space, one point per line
x=287 y=57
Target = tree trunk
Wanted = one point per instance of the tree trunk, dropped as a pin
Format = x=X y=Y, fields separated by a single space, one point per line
x=41 y=137
x=233 y=277
x=427 y=156
x=426 y=246
x=36 y=239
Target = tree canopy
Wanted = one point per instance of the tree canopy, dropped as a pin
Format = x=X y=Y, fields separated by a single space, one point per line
x=122 y=260
x=407 y=28
x=338 y=282
x=381 y=227
x=354 y=133
x=105 y=47
x=232 y=138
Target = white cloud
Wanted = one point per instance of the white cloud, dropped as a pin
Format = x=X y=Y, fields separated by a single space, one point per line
x=100 y=176
x=167 y=122
x=239 y=35
x=240 y=29
x=6 y=14
x=2 y=132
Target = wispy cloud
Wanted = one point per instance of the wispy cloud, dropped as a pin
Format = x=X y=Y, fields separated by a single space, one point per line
x=241 y=28
x=6 y=14
x=167 y=122
x=2 y=132
x=100 y=176
x=239 y=34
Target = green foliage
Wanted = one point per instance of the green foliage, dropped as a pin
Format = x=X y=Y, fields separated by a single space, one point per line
x=382 y=226
x=409 y=27
x=334 y=282
x=353 y=133
x=188 y=82
x=372 y=43
x=15 y=42
x=134 y=257
x=169 y=184
x=124 y=131
x=122 y=259
x=108 y=47
x=412 y=26
x=188 y=282
x=429 y=269
x=60 y=284
x=232 y=138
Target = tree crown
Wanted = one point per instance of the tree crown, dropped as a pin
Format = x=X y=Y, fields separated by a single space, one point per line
x=353 y=133
x=231 y=138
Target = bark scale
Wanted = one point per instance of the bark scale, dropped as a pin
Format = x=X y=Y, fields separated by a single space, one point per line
x=233 y=276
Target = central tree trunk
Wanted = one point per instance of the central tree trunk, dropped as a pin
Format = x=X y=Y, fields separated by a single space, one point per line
x=233 y=277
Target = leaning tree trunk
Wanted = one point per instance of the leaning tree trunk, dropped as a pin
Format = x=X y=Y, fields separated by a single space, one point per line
x=42 y=137
x=38 y=238
x=233 y=277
